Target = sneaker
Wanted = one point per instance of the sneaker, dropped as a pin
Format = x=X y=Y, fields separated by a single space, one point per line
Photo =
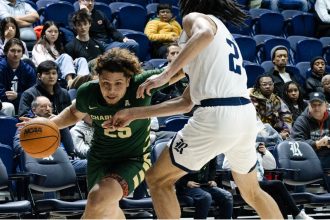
x=303 y=215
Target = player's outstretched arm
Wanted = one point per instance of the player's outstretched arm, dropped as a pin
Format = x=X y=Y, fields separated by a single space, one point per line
x=200 y=31
x=69 y=116
x=174 y=106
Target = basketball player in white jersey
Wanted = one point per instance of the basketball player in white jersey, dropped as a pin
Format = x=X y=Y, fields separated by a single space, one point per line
x=225 y=122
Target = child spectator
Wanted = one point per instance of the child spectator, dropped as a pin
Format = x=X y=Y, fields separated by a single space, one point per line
x=162 y=30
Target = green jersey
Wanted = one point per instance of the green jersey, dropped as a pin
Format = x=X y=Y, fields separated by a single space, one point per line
x=132 y=141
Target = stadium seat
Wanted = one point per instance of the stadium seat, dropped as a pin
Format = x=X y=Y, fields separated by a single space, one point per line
x=257 y=12
x=32 y=3
x=244 y=29
x=51 y=13
x=290 y=4
x=104 y=8
x=304 y=69
x=115 y=6
x=308 y=49
x=253 y=70
x=175 y=123
x=132 y=17
x=143 y=3
x=247 y=47
x=267 y=65
x=302 y=24
x=305 y=48
x=172 y=2
x=7 y=129
x=262 y=25
x=72 y=94
x=295 y=71
x=269 y=44
x=106 y=1
x=303 y=167
x=53 y=174
x=326 y=48
x=155 y=63
x=143 y=42
x=10 y=208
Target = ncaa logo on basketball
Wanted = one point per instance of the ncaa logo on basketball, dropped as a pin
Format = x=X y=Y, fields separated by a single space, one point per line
x=35 y=130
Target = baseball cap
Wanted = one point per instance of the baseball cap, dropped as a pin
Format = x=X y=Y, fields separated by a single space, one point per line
x=316 y=96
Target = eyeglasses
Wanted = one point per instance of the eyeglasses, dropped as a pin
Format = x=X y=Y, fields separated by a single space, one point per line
x=267 y=84
x=165 y=11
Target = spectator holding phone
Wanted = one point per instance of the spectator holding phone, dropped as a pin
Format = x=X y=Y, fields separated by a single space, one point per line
x=201 y=186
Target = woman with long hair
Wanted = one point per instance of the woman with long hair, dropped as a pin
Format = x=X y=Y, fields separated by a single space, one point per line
x=50 y=47
x=293 y=98
x=8 y=30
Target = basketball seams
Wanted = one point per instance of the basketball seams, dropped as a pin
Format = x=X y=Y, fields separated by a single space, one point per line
x=47 y=127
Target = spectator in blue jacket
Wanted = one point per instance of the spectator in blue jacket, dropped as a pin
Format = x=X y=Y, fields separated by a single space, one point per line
x=15 y=75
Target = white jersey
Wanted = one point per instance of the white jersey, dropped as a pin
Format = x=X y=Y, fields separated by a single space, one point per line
x=217 y=72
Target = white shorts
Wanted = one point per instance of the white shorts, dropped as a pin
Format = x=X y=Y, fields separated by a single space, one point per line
x=231 y=130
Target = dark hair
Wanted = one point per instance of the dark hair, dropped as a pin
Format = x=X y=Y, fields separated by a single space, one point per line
x=286 y=98
x=43 y=40
x=257 y=83
x=45 y=66
x=173 y=44
x=118 y=60
x=163 y=6
x=11 y=42
x=225 y=10
x=276 y=48
x=313 y=60
x=81 y=16
x=3 y=24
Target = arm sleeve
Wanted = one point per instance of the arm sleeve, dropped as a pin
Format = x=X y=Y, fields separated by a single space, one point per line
x=24 y=104
x=300 y=132
x=322 y=11
x=3 y=10
x=80 y=145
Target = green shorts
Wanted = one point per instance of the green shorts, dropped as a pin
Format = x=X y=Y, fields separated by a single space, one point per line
x=129 y=173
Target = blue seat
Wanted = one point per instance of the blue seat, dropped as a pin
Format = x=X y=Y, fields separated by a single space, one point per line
x=50 y=177
x=7 y=157
x=106 y=1
x=175 y=123
x=288 y=14
x=132 y=17
x=296 y=72
x=302 y=24
x=143 y=41
x=51 y=13
x=253 y=70
x=257 y=12
x=290 y=4
x=104 y=8
x=72 y=94
x=267 y=65
x=326 y=48
x=143 y=3
x=41 y=5
x=11 y=208
x=244 y=29
x=32 y=3
x=308 y=49
x=247 y=47
x=7 y=130
x=116 y=6
x=269 y=44
x=304 y=69
x=155 y=63
x=262 y=25
x=305 y=166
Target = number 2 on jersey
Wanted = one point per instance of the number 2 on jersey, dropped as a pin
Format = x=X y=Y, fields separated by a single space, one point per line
x=232 y=67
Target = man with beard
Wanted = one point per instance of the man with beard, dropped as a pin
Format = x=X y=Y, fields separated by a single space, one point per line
x=279 y=73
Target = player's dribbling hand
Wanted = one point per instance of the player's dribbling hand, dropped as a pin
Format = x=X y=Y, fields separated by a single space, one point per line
x=152 y=82
x=23 y=122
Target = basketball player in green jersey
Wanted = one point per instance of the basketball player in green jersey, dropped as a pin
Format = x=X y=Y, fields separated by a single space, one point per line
x=118 y=159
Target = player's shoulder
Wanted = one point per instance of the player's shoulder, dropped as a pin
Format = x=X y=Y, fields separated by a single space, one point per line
x=88 y=87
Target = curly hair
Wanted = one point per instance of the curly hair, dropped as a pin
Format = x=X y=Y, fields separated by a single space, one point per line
x=118 y=60
x=225 y=10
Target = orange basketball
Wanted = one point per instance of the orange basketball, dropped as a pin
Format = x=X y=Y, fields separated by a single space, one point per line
x=40 y=137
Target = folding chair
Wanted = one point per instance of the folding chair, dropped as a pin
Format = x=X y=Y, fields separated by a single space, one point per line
x=303 y=167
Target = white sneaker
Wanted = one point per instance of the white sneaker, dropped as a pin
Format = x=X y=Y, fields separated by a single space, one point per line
x=303 y=215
